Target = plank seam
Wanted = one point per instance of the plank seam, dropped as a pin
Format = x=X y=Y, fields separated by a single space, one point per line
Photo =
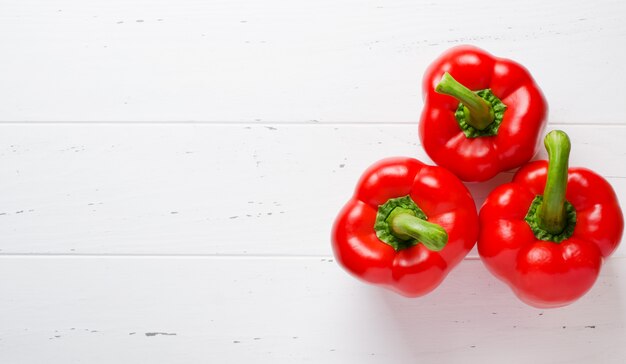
x=263 y=123
x=175 y=256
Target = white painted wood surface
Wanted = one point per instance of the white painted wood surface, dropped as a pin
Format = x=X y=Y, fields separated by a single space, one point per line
x=286 y=310
x=281 y=60
x=170 y=171
x=210 y=189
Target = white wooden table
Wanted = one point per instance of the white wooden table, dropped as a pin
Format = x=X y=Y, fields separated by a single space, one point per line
x=169 y=173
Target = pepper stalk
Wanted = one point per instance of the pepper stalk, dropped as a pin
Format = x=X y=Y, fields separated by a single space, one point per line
x=480 y=112
x=552 y=214
x=404 y=225
x=401 y=223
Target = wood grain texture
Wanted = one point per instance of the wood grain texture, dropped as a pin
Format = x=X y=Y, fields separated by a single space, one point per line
x=210 y=189
x=206 y=310
x=286 y=61
x=170 y=170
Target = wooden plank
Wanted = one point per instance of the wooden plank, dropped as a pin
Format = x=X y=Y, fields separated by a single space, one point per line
x=337 y=61
x=208 y=189
x=192 y=310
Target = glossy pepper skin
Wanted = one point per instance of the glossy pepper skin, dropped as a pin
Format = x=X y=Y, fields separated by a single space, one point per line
x=412 y=270
x=519 y=121
x=549 y=273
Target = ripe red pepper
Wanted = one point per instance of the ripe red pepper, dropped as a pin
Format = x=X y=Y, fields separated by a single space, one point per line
x=547 y=232
x=487 y=122
x=407 y=225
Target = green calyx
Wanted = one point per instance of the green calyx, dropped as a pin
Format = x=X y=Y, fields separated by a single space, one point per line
x=533 y=221
x=551 y=217
x=402 y=224
x=462 y=116
x=479 y=113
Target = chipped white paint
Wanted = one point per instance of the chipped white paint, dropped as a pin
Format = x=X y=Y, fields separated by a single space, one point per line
x=147 y=239
x=209 y=189
x=280 y=60
x=273 y=310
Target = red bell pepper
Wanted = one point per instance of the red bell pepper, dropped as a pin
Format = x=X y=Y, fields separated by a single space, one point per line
x=407 y=225
x=547 y=232
x=482 y=114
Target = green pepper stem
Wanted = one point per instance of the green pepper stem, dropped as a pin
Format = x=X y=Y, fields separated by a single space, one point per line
x=405 y=225
x=480 y=112
x=551 y=215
